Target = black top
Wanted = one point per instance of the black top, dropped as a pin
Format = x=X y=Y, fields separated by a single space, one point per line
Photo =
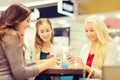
x=43 y=55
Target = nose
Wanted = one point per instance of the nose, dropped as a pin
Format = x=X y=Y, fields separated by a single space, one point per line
x=28 y=26
x=45 y=33
x=88 y=33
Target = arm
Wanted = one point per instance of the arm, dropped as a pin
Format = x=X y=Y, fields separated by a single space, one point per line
x=96 y=73
x=40 y=61
x=57 y=50
x=111 y=54
x=16 y=58
x=29 y=55
x=15 y=55
x=110 y=59
x=82 y=61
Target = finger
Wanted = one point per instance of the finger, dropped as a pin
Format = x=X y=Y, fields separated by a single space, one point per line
x=69 y=56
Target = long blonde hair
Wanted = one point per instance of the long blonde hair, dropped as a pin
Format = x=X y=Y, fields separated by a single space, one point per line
x=103 y=40
x=38 y=40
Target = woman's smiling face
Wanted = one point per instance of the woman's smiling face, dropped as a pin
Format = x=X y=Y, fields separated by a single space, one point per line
x=45 y=32
x=90 y=32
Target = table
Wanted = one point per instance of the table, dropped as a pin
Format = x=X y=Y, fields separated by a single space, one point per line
x=64 y=72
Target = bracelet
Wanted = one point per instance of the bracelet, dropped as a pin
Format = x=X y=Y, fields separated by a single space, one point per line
x=94 y=75
x=91 y=70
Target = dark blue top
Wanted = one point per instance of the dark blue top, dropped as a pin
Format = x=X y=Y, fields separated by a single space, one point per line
x=43 y=55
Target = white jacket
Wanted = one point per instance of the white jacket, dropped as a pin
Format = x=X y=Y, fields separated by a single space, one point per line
x=56 y=50
x=110 y=59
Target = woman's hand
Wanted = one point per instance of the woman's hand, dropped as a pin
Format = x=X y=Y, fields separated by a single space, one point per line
x=80 y=62
x=52 y=62
x=40 y=61
x=48 y=64
x=71 y=61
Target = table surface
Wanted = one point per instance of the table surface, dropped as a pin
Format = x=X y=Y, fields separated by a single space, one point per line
x=61 y=72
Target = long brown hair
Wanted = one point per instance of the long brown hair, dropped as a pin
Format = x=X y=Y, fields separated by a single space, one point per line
x=13 y=16
x=38 y=40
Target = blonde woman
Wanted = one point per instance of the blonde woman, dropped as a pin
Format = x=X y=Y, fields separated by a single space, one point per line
x=101 y=50
x=44 y=45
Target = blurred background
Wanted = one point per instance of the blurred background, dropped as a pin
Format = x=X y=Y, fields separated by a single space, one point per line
x=67 y=17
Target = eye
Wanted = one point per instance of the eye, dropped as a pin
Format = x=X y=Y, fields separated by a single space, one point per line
x=47 y=30
x=92 y=30
x=42 y=31
x=86 y=30
x=28 y=21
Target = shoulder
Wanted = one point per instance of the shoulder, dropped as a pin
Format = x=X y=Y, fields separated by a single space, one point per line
x=11 y=36
x=111 y=45
x=111 y=48
x=85 y=47
x=55 y=47
x=10 y=33
x=85 y=50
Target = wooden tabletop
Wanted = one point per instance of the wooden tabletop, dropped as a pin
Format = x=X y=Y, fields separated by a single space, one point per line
x=61 y=72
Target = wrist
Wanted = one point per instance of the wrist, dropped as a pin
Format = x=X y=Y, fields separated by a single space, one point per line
x=90 y=72
x=93 y=73
x=42 y=67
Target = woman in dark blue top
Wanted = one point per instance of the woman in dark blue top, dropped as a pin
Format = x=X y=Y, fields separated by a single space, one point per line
x=43 y=77
x=44 y=44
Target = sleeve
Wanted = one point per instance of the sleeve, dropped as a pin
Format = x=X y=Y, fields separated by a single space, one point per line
x=57 y=50
x=98 y=73
x=29 y=55
x=16 y=58
x=110 y=59
x=84 y=53
x=111 y=54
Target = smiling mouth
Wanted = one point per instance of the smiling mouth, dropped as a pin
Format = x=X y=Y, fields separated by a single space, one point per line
x=26 y=27
x=45 y=37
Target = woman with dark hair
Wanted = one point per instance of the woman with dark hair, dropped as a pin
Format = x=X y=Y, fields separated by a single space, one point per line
x=13 y=23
